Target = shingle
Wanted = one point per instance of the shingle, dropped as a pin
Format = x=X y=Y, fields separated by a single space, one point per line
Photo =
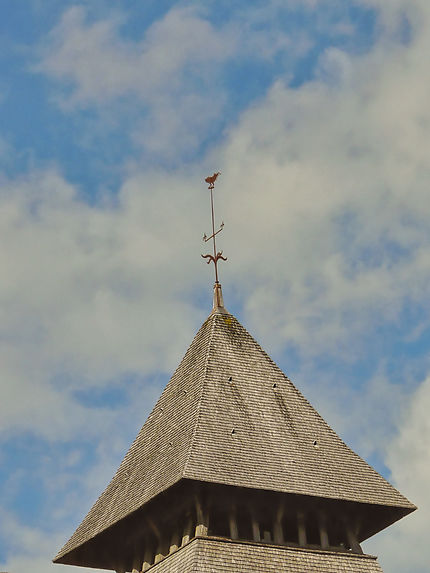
x=229 y=415
x=223 y=556
x=280 y=442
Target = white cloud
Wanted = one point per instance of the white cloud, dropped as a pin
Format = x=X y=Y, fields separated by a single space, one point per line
x=325 y=196
x=62 y=480
x=393 y=14
x=331 y=183
x=335 y=67
x=174 y=75
x=85 y=290
x=101 y=65
x=171 y=72
x=33 y=548
x=404 y=546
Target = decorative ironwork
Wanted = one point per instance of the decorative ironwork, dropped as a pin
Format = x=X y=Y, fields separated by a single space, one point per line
x=217 y=255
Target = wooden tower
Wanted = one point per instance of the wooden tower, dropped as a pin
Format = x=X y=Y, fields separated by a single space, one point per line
x=235 y=472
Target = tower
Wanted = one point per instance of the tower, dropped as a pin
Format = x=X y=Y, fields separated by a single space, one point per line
x=234 y=471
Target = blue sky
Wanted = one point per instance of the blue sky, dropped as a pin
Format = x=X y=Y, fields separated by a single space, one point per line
x=111 y=115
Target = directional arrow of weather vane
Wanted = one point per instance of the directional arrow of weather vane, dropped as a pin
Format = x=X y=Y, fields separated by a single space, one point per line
x=216 y=255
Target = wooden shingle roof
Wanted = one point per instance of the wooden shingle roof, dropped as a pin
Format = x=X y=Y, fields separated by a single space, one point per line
x=224 y=556
x=229 y=415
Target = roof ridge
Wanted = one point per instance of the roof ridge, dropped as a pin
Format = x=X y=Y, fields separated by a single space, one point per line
x=199 y=407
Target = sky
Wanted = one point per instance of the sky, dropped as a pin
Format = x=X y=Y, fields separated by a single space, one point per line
x=111 y=115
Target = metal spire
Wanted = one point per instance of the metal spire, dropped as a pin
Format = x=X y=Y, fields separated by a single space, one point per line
x=217 y=255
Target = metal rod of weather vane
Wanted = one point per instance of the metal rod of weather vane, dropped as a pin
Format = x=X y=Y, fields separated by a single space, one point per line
x=213 y=236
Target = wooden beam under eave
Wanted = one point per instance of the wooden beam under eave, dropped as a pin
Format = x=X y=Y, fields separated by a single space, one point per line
x=174 y=542
x=161 y=551
x=301 y=529
x=232 y=523
x=278 y=532
x=255 y=528
x=324 y=540
x=202 y=516
x=352 y=540
x=188 y=528
x=148 y=557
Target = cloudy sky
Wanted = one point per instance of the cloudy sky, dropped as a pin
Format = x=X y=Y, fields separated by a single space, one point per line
x=111 y=114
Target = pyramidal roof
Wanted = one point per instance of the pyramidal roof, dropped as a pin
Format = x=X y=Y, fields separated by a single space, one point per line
x=230 y=416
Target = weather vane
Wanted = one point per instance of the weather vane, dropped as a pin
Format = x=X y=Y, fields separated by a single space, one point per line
x=216 y=255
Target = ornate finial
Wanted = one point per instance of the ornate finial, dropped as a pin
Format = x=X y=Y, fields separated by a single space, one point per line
x=216 y=255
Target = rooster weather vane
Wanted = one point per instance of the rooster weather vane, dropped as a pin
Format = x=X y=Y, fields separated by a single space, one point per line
x=216 y=255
